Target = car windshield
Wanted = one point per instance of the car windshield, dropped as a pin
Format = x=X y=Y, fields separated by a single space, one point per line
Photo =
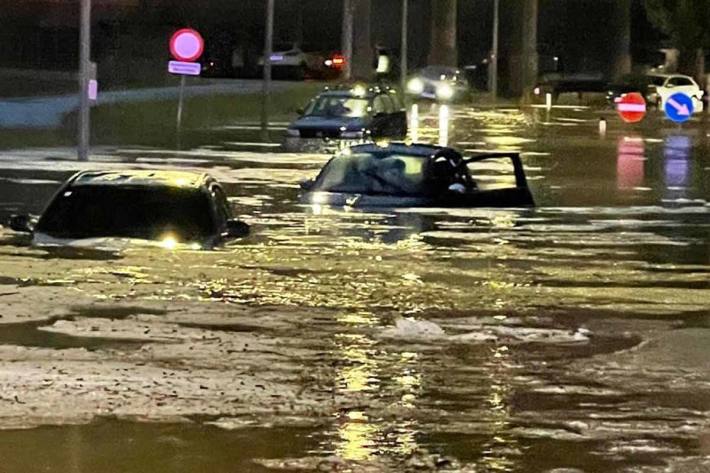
x=439 y=73
x=367 y=174
x=333 y=106
x=656 y=80
x=94 y=211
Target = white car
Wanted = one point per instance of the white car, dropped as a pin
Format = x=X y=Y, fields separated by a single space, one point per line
x=662 y=86
x=291 y=60
x=440 y=83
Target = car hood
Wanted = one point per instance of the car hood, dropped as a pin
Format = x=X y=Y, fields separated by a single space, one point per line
x=106 y=243
x=328 y=123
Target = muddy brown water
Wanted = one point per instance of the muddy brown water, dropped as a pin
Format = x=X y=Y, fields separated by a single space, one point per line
x=571 y=337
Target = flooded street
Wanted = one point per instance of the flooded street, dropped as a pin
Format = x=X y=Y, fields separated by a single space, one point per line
x=568 y=338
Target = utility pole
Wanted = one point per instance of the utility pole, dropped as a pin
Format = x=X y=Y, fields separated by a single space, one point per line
x=404 y=45
x=347 y=39
x=493 y=60
x=84 y=77
x=268 y=51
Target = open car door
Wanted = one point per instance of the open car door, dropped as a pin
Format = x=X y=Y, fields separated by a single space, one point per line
x=499 y=180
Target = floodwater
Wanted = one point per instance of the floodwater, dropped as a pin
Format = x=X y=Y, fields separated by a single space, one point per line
x=568 y=338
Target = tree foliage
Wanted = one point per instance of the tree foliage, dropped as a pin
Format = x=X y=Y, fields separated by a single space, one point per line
x=686 y=22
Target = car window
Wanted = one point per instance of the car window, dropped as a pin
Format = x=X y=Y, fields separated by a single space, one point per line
x=656 y=80
x=367 y=174
x=493 y=173
x=680 y=81
x=334 y=106
x=94 y=211
x=379 y=105
x=388 y=103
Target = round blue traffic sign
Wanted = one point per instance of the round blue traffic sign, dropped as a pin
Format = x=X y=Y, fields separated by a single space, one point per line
x=679 y=107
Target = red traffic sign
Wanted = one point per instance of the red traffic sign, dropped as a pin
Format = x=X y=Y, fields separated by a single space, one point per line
x=631 y=107
x=187 y=45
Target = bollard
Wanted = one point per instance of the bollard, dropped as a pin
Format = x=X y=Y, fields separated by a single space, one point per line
x=548 y=101
x=602 y=127
x=414 y=123
x=444 y=125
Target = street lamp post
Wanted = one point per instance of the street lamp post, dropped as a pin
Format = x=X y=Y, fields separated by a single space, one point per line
x=405 y=45
x=268 y=51
x=493 y=60
x=84 y=78
x=347 y=39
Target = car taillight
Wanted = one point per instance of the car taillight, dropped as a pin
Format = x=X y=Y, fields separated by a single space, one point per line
x=337 y=61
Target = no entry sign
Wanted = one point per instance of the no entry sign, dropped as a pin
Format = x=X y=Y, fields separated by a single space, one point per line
x=186 y=45
x=631 y=107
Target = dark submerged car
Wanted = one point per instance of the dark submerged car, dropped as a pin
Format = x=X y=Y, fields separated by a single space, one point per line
x=352 y=114
x=418 y=175
x=170 y=208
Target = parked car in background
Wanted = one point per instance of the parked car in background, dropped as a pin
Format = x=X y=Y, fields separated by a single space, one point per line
x=419 y=175
x=638 y=83
x=169 y=209
x=657 y=88
x=663 y=86
x=293 y=61
x=558 y=84
x=351 y=113
x=439 y=83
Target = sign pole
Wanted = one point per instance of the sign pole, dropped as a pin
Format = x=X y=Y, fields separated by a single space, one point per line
x=268 y=51
x=84 y=78
x=181 y=101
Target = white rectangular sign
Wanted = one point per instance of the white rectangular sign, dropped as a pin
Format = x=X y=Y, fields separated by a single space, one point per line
x=185 y=68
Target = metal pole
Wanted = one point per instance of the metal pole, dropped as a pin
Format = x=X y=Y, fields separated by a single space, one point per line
x=493 y=64
x=347 y=39
x=84 y=77
x=181 y=102
x=405 y=44
x=268 y=51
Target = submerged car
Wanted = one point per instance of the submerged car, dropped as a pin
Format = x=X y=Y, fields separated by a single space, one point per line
x=440 y=83
x=170 y=209
x=353 y=114
x=419 y=175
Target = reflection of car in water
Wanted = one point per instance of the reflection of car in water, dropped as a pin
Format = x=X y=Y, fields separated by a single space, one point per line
x=400 y=175
x=355 y=114
x=445 y=84
x=171 y=208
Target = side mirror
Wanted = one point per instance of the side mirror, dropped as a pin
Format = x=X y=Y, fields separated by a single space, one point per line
x=237 y=228
x=300 y=112
x=21 y=223
x=307 y=184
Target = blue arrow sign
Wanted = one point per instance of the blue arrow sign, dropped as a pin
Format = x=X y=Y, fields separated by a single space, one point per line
x=679 y=107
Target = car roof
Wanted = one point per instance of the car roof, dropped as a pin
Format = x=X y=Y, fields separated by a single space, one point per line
x=415 y=149
x=668 y=76
x=346 y=93
x=143 y=178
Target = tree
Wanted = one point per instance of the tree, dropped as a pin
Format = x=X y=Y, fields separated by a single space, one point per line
x=362 y=66
x=622 y=38
x=687 y=23
x=443 y=33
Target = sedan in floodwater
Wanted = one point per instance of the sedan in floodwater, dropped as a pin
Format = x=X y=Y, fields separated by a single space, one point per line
x=419 y=175
x=165 y=208
x=351 y=114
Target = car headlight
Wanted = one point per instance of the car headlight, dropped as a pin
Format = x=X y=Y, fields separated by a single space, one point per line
x=445 y=92
x=415 y=86
x=293 y=132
